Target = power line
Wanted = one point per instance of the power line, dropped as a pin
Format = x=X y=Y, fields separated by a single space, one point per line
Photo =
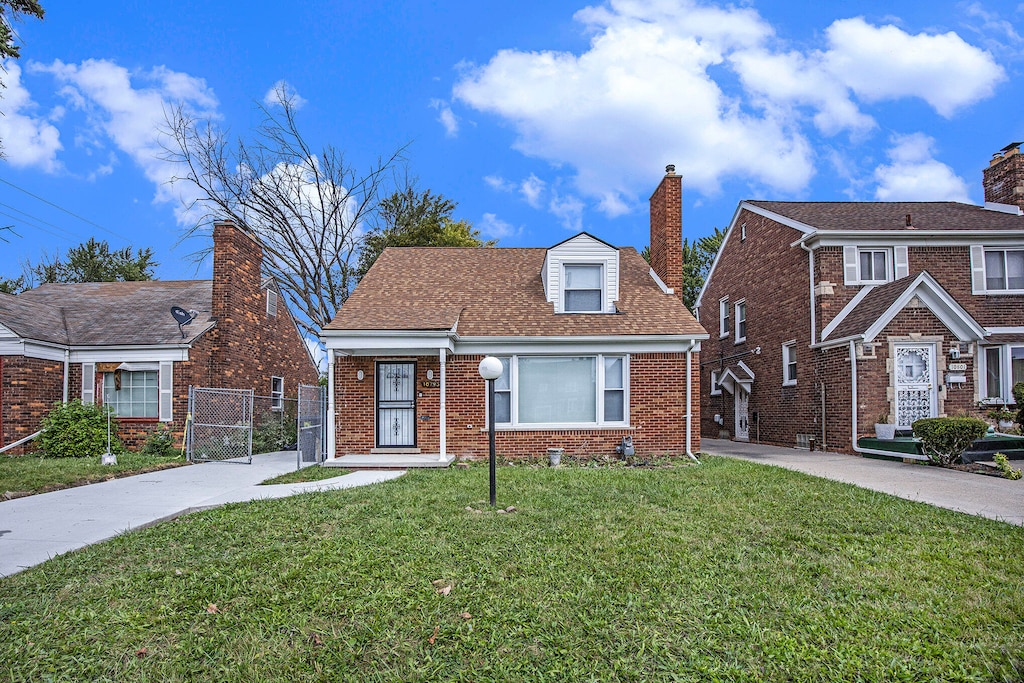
x=61 y=208
x=37 y=219
x=37 y=227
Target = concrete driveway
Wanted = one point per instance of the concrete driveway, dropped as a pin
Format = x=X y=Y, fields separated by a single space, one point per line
x=35 y=528
x=975 y=494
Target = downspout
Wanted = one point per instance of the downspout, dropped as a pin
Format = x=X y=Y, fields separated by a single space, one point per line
x=810 y=268
x=67 y=366
x=853 y=395
x=689 y=403
x=442 y=414
x=331 y=426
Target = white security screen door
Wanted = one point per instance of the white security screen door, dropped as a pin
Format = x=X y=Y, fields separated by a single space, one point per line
x=915 y=383
x=396 y=405
x=740 y=401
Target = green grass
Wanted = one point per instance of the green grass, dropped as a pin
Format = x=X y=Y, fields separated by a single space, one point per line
x=32 y=474
x=729 y=571
x=313 y=473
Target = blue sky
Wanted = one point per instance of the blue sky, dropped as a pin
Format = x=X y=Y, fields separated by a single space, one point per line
x=539 y=118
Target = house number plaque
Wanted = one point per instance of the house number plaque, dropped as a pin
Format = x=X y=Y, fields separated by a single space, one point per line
x=430 y=383
x=957 y=367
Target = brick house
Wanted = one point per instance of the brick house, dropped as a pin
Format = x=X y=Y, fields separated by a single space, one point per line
x=117 y=343
x=596 y=346
x=827 y=317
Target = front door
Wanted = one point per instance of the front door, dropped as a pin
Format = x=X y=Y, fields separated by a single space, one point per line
x=396 y=405
x=916 y=397
x=740 y=400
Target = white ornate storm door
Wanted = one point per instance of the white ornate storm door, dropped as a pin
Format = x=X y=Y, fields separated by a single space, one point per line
x=396 y=405
x=741 y=399
x=916 y=396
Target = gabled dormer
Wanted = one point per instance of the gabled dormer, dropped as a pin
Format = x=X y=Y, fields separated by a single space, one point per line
x=581 y=275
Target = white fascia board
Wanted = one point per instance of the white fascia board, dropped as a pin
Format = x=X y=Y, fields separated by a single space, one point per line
x=779 y=218
x=664 y=288
x=746 y=367
x=595 y=344
x=373 y=342
x=842 y=341
x=847 y=309
x=1004 y=330
x=6 y=333
x=128 y=354
x=939 y=302
x=30 y=349
x=930 y=238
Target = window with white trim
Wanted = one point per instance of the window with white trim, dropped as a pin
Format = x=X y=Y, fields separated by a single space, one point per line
x=277 y=394
x=716 y=388
x=562 y=390
x=1004 y=269
x=583 y=291
x=132 y=393
x=741 y=320
x=789 y=364
x=723 y=317
x=1004 y=367
x=874 y=266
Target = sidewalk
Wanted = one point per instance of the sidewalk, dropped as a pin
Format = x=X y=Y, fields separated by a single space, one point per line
x=974 y=494
x=35 y=528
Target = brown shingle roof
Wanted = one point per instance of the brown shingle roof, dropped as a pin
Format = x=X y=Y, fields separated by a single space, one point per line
x=108 y=313
x=871 y=307
x=953 y=216
x=499 y=292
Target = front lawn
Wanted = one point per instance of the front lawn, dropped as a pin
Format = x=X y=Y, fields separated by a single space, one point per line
x=27 y=474
x=311 y=473
x=727 y=571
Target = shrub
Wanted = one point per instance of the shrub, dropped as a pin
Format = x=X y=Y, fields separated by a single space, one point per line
x=77 y=430
x=275 y=432
x=946 y=438
x=1003 y=463
x=1018 y=395
x=160 y=443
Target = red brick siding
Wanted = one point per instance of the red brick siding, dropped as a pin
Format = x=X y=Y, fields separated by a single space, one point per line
x=1002 y=178
x=657 y=410
x=28 y=389
x=667 y=233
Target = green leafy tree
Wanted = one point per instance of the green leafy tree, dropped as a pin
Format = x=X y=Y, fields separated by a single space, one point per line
x=698 y=256
x=93 y=261
x=417 y=219
x=14 y=285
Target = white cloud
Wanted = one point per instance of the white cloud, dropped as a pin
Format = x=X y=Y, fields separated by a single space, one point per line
x=496 y=182
x=129 y=109
x=531 y=190
x=914 y=175
x=446 y=117
x=29 y=140
x=879 y=63
x=283 y=90
x=569 y=210
x=654 y=87
x=493 y=227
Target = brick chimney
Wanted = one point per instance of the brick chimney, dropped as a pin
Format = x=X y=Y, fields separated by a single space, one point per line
x=237 y=259
x=1004 y=178
x=667 y=230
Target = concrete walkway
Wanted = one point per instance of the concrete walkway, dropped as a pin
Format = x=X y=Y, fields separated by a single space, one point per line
x=35 y=528
x=975 y=494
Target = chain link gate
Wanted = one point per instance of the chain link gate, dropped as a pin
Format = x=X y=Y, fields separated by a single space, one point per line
x=220 y=428
x=312 y=434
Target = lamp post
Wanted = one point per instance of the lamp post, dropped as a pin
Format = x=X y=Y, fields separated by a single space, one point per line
x=490 y=370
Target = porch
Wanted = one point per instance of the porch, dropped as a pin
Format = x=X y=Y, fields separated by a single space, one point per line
x=391 y=461
x=907 y=445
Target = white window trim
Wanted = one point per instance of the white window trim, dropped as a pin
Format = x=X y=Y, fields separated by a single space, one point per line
x=984 y=267
x=562 y=289
x=736 y=320
x=791 y=344
x=272 y=303
x=888 y=265
x=103 y=393
x=723 y=316
x=515 y=425
x=716 y=388
x=276 y=397
x=1005 y=374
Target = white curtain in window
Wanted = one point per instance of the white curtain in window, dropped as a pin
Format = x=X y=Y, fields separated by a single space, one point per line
x=1015 y=269
x=1016 y=365
x=556 y=390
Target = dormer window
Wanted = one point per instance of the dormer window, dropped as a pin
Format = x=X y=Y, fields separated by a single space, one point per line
x=583 y=291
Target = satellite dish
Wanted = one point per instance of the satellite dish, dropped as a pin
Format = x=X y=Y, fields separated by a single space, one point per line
x=183 y=317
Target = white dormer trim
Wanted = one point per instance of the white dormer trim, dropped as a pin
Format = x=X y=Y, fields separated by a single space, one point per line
x=581 y=250
x=665 y=288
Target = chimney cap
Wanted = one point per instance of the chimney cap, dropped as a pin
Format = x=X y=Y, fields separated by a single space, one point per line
x=1012 y=145
x=670 y=169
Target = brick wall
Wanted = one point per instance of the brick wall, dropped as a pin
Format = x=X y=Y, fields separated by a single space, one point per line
x=657 y=410
x=28 y=389
x=667 y=231
x=773 y=279
x=1003 y=179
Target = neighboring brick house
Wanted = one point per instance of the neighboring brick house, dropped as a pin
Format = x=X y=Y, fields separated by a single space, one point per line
x=117 y=343
x=595 y=346
x=904 y=309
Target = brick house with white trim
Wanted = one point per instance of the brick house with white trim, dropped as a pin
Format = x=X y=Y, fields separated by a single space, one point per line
x=117 y=343
x=902 y=309
x=595 y=342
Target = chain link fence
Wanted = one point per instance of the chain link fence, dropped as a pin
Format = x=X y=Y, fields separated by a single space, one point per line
x=221 y=426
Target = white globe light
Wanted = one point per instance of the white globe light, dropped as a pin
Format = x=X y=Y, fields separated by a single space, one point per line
x=490 y=368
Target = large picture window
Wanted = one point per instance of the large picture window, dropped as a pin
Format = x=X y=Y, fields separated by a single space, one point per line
x=562 y=390
x=132 y=393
